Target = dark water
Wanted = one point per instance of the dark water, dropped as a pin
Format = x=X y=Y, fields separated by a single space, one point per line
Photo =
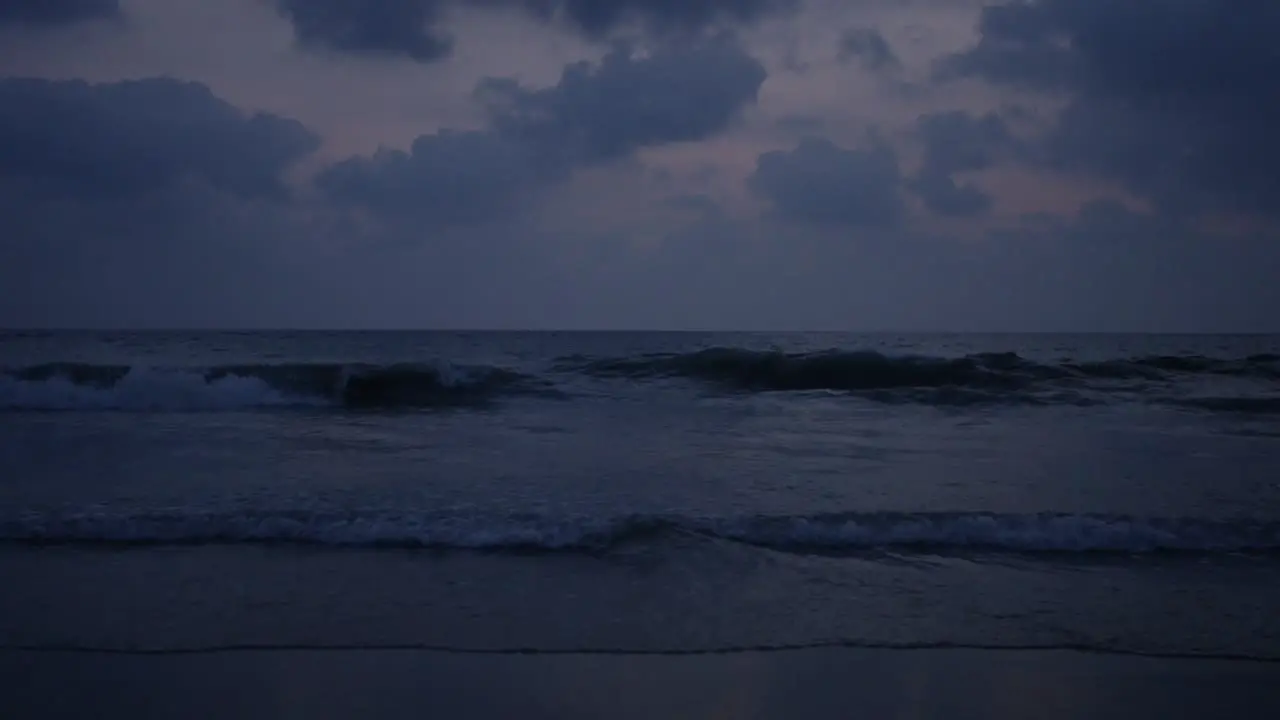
x=640 y=492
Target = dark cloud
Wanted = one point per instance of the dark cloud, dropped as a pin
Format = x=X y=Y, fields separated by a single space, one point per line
x=821 y=183
x=595 y=113
x=1175 y=100
x=149 y=202
x=944 y=196
x=176 y=256
x=956 y=142
x=1112 y=268
x=392 y=28
x=867 y=46
x=81 y=139
x=607 y=110
x=55 y=12
x=447 y=178
x=599 y=19
x=413 y=29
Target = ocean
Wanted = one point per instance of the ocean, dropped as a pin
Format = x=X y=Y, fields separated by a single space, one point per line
x=622 y=492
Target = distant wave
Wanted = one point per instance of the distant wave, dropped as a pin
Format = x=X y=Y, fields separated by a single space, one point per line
x=985 y=378
x=68 y=386
x=938 y=533
x=1245 y=405
x=1100 y=648
x=981 y=377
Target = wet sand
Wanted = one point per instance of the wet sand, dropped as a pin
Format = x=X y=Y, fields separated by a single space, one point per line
x=309 y=684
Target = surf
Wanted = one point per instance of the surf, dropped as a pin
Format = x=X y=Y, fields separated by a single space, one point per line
x=938 y=533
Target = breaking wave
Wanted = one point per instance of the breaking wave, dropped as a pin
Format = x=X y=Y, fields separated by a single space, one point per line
x=977 y=379
x=1001 y=374
x=68 y=386
x=1242 y=405
x=935 y=533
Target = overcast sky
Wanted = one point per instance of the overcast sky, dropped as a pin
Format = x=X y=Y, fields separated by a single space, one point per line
x=667 y=164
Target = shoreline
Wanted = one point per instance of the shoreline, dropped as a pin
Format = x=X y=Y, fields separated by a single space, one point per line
x=532 y=652
x=394 y=683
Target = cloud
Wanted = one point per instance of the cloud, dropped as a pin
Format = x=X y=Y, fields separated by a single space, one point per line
x=944 y=196
x=599 y=19
x=867 y=46
x=596 y=113
x=955 y=142
x=1173 y=100
x=447 y=178
x=626 y=102
x=159 y=203
x=140 y=202
x=821 y=183
x=391 y=28
x=55 y=12
x=1113 y=268
x=412 y=29
x=82 y=139
x=177 y=256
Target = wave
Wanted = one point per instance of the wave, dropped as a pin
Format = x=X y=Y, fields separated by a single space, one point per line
x=70 y=386
x=1100 y=648
x=934 y=533
x=825 y=370
x=995 y=374
x=1258 y=405
x=984 y=378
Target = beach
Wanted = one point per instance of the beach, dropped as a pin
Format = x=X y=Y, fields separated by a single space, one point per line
x=943 y=684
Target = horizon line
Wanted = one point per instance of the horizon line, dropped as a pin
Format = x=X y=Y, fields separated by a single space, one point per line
x=638 y=330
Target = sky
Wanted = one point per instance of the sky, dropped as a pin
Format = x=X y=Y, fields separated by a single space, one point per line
x=906 y=165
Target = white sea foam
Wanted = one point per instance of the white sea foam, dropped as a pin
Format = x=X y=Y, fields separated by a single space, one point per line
x=147 y=389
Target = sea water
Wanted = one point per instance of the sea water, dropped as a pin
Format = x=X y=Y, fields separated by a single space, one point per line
x=639 y=492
